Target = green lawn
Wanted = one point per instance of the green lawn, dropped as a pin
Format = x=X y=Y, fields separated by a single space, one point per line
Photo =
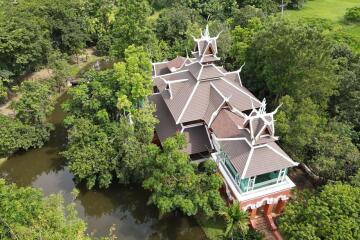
x=333 y=10
x=213 y=227
x=329 y=9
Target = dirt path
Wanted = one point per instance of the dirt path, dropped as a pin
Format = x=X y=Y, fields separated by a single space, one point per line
x=44 y=74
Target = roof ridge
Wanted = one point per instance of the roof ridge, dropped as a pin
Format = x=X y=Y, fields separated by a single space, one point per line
x=237 y=88
x=187 y=102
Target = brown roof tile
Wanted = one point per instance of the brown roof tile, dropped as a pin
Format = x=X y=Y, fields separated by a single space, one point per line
x=161 y=68
x=198 y=140
x=166 y=126
x=265 y=160
x=176 y=63
x=238 y=153
x=210 y=72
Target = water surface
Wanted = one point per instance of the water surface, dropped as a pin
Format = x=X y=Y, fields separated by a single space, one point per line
x=124 y=206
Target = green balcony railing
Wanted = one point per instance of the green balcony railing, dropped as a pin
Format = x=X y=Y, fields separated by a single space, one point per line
x=242 y=185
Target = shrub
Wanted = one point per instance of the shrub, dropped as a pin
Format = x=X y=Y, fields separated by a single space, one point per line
x=353 y=14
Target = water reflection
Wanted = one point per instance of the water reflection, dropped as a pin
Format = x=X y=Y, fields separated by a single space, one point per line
x=124 y=206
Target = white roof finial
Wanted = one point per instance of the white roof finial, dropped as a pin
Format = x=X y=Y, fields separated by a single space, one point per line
x=262 y=109
x=206 y=32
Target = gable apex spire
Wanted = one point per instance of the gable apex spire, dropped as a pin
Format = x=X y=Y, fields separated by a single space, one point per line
x=206 y=33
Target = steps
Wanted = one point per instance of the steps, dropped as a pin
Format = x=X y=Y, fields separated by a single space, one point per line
x=263 y=227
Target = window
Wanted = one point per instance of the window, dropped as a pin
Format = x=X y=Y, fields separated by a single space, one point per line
x=267 y=177
x=251 y=183
x=282 y=175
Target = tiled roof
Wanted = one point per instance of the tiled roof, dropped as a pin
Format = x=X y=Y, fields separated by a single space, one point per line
x=176 y=63
x=226 y=124
x=253 y=161
x=238 y=153
x=166 y=126
x=267 y=159
x=210 y=72
x=161 y=68
x=197 y=91
x=198 y=140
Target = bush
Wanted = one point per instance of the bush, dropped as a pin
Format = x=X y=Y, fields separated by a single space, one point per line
x=353 y=14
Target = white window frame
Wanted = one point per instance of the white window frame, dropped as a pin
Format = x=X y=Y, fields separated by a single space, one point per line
x=251 y=183
x=282 y=175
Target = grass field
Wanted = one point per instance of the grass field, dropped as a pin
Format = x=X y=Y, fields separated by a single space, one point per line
x=333 y=10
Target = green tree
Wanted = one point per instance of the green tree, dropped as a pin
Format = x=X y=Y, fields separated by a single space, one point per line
x=335 y=156
x=353 y=14
x=24 y=39
x=108 y=119
x=90 y=154
x=35 y=104
x=215 y=9
x=293 y=59
x=134 y=75
x=67 y=25
x=3 y=90
x=58 y=63
x=173 y=23
x=175 y=183
x=243 y=15
x=241 y=39
x=26 y=214
x=345 y=105
x=237 y=222
x=329 y=214
x=131 y=25
x=14 y=135
x=137 y=129
x=298 y=123
x=267 y=6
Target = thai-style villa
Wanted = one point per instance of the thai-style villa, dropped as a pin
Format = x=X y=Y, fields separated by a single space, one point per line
x=223 y=120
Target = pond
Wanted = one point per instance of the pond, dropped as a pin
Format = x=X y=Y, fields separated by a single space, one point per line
x=122 y=206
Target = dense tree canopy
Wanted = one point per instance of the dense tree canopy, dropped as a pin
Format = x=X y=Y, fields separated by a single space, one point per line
x=332 y=213
x=26 y=214
x=15 y=135
x=176 y=184
x=108 y=119
x=131 y=25
x=291 y=58
x=24 y=40
x=30 y=127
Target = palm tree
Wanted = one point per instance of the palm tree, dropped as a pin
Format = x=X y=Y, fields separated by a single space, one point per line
x=237 y=221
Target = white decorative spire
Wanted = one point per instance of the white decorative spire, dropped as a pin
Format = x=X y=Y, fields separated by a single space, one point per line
x=262 y=109
x=206 y=33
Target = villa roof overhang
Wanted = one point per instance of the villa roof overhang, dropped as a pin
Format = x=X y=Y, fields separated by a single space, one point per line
x=197 y=137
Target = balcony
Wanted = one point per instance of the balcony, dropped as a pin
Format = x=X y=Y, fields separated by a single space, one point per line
x=245 y=189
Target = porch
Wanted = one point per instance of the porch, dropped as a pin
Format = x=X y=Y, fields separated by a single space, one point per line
x=254 y=187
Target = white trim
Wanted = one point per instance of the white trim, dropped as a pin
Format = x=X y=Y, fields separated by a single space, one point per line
x=182 y=128
x=215 y=113
x=247 y=163
x=207 y=132
x=235 y=139
x=187 y=103
x=223 y=74
x=259 y=133
x=225 y=80
x=167 y=74
x=218 y=91
x=261 y=192
x=199 y=74
x=192 y=125
x=183 y=64
x=287 y=158
x=268 y=200
x=174 y=81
